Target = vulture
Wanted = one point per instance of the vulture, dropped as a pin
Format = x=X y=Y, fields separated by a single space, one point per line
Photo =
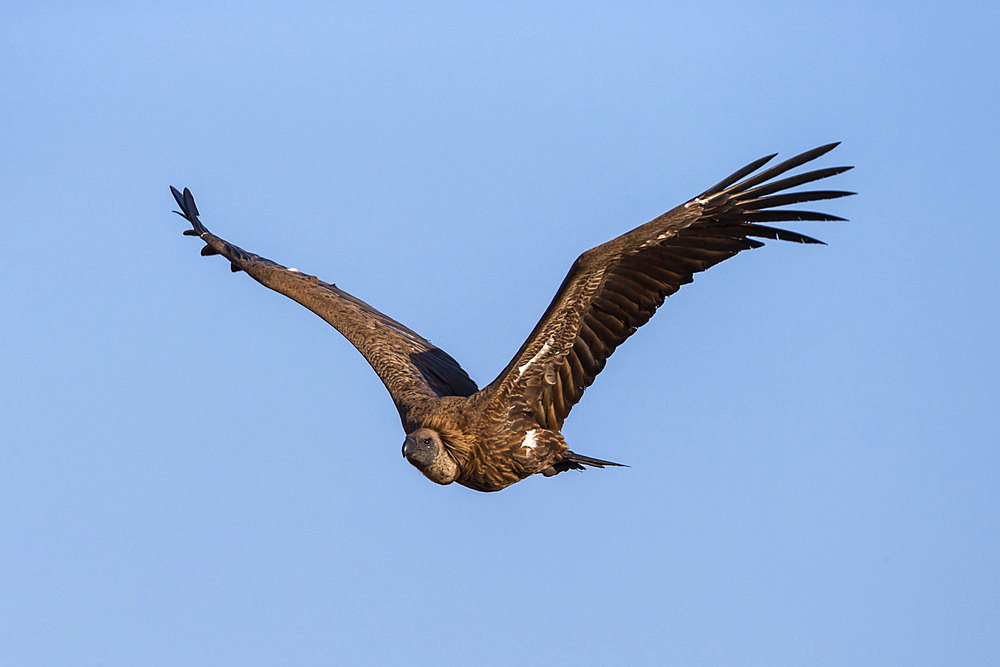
x=487 y=439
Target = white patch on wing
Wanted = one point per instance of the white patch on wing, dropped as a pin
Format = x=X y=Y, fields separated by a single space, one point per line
x=659 y=237
x=530 y=441
x=294 y=270
x=545 y=348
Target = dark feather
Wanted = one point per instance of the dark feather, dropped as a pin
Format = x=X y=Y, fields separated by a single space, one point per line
x=732 y=178
x=489 y=439
x=613 y=289
x=410 y=367
x=794 y=181
x=587 y=460
x=787 y=165
x=768 y=215
x=793 y=198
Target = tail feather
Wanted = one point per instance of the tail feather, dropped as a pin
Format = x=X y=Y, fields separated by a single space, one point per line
x=574 y=461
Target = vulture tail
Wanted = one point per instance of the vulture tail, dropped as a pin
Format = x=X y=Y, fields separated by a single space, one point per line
x=574 y=461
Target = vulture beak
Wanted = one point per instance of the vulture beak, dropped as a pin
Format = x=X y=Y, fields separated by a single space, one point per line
x=418 y=453
x=412 y=448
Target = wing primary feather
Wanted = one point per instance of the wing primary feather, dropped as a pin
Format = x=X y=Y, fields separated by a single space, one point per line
x=792 y=181
x=735 y=176
x=789 y=216
x=777 y=234
x=782 y=167
x=793 y=198
x=178 y=197
x=189 y=205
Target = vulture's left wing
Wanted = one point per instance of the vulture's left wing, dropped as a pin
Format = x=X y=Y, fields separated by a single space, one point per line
x=410 y=367
x=613 y=289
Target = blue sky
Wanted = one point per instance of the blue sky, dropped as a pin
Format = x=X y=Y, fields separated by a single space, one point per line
x=199 y=471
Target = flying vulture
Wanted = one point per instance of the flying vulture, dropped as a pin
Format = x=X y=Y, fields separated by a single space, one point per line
x=487 y=439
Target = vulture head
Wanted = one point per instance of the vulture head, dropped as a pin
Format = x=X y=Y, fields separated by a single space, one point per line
x=424 y=449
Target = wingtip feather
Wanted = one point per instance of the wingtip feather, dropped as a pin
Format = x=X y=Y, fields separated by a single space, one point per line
x=178 y=197
x=189 y=204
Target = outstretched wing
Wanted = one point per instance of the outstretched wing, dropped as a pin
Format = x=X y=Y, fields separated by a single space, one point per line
x=410 y=367
x=615 y=288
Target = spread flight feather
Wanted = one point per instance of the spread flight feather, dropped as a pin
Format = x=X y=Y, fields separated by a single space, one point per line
x=610 y=291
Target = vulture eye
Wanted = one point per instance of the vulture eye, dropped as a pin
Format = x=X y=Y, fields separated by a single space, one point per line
x=427 y=441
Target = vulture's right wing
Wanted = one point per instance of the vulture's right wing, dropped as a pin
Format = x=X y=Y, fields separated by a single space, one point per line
x=410 y=367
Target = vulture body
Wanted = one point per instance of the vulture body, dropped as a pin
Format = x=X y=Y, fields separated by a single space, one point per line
x=491 y=438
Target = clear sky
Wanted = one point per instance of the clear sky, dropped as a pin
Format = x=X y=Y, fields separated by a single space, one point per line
x=195 y=470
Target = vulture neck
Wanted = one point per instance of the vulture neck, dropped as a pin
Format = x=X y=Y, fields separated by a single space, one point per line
x=457 y=448
x=443 y=469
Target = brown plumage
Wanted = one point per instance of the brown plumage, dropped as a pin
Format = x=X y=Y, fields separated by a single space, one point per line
x=491 y=438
